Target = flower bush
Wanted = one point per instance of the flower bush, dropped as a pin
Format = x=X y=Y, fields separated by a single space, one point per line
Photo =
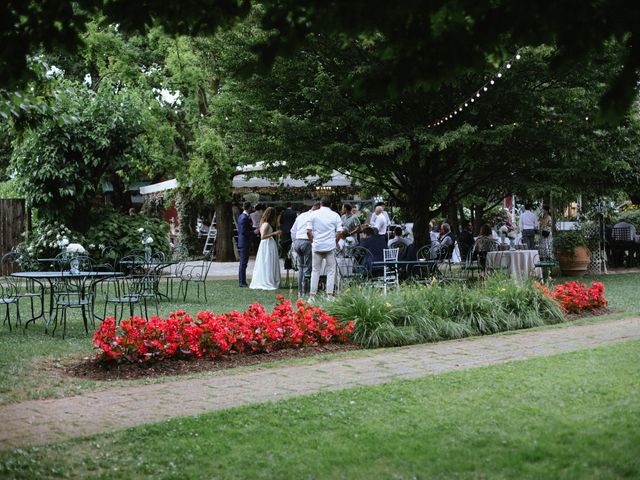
x=212 y=335
x=576 y=297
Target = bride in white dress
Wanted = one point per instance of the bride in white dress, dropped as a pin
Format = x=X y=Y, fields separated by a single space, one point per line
x=266 y=272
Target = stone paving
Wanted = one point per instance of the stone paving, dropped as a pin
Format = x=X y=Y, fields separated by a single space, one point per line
x=42 y=421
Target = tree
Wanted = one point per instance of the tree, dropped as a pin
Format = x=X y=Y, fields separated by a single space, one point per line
x=425 y=43
x=62 y=165
x=525 y=132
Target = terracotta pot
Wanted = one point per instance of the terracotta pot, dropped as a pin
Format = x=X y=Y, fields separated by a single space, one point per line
x=576 y=265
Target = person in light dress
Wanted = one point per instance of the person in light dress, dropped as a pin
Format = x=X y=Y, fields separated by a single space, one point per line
x=266 y=272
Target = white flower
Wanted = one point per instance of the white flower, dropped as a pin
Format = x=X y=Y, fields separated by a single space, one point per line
x=64 y=242
x=102 y=247
x=140 y=230
x=92 y=246
x=148 y=240
x=58 y=236
x=75 y=248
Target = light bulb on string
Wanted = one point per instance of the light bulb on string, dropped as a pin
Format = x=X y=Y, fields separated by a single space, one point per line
x=483 y=88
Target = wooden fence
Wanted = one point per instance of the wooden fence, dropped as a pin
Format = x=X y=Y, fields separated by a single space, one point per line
x=13 y=222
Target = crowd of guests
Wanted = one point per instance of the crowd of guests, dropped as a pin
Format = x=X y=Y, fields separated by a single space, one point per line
x=315 y=236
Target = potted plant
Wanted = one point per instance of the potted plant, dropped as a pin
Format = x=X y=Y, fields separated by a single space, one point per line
x=572 y=251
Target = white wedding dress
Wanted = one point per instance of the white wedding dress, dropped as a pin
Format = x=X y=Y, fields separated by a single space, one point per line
x=266 y=272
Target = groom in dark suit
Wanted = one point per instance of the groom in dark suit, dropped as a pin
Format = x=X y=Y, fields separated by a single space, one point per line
x=245 y=236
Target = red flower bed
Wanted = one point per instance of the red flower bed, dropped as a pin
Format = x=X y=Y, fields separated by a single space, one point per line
x=214 y=335
x=576 y=297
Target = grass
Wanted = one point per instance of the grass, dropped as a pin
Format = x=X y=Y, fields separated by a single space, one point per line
x=28 y=361
x=574 y=415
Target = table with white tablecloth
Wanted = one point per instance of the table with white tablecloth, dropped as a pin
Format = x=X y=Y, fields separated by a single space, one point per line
x=519 y=263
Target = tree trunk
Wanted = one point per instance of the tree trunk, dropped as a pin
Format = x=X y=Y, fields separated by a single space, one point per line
x=453 y=219
x=421 y=219
x=224 y=237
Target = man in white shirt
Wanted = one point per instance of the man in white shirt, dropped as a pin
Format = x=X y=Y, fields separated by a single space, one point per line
x=374 y=214
x=528 y=227
x=302 y=247
x=323 y=229
x=380 y=220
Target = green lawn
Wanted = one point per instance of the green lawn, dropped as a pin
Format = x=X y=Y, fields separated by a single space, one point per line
x=28 y=363
x=575 y=415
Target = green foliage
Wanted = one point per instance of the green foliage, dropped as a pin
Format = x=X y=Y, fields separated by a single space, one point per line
x=565 y=242
x=120 y=232
x=210 y=170
x=417 y=314
x=9 y=189
x=62 y=165
x=631 y=215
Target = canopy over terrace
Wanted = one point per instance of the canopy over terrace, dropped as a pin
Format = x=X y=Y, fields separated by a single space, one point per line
x=246 y=182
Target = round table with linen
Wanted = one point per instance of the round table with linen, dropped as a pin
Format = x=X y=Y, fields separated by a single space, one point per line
x=519 y=263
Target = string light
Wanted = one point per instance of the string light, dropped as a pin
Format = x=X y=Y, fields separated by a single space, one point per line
x=472 y=99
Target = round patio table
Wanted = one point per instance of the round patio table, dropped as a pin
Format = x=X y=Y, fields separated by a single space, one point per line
x=50 y=277
x=519 y=263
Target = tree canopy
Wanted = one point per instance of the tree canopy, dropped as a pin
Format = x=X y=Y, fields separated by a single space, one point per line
x=421 y=44
x=534 y=130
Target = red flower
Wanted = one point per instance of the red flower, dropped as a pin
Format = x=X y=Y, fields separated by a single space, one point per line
x=139 y=340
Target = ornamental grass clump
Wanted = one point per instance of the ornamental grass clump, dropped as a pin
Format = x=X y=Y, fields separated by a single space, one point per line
x=210 y=335
x=417 y=314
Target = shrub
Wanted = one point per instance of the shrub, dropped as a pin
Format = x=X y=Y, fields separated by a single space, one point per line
x=631 y=215
x=137 y=340
x=417 y=314
x=120 y=231
x=45 y=239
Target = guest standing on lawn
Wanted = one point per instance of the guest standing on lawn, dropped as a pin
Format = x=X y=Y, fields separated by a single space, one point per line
x=287 y=219
x=302 y=247
x=323 y=228
x=546 y=223
x=528 y=226
x=266 y=272
x=350 y=223
x=245 y=237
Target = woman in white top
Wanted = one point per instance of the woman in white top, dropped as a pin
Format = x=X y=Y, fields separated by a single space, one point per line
x=266 y=272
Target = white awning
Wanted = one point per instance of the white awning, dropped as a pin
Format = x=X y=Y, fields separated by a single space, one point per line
x=243 y=181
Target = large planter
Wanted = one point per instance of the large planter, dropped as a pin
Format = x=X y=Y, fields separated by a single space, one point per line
x=577 y=264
